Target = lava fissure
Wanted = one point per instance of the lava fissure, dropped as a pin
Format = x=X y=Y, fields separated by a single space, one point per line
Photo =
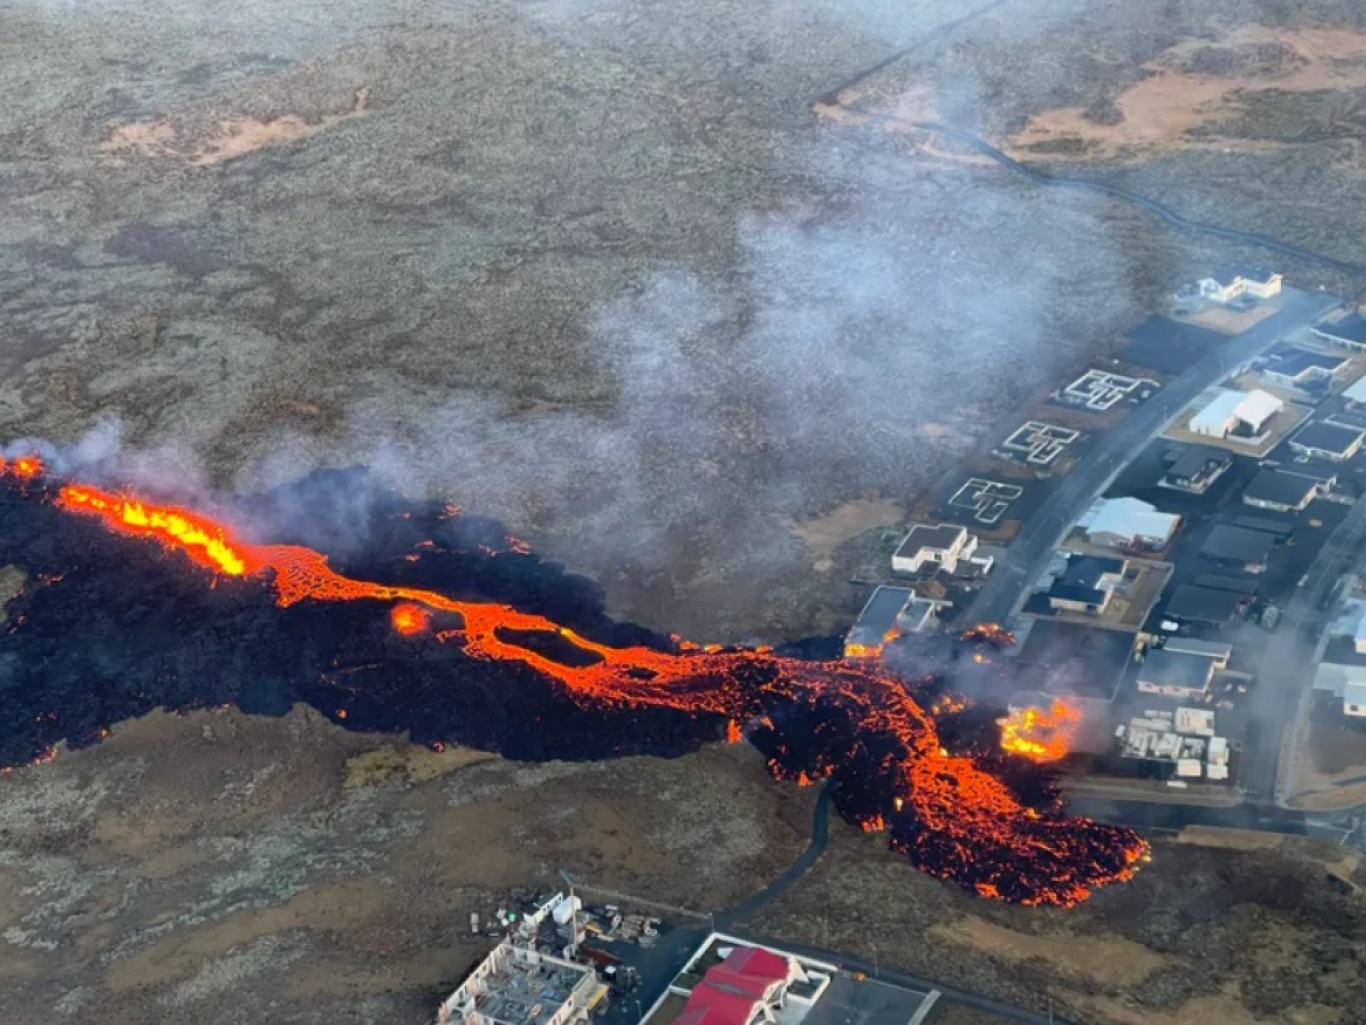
x=856 y=724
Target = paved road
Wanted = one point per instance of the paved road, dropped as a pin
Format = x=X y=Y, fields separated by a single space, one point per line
x=1028 y=555
x=1284 y=691
x=820 y=836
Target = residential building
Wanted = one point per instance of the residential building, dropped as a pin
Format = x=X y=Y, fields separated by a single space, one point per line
x=1175 y=674
x=1347 y=682
x=1195 y=467
x=1234 y=283
x=1283 y=492
x=1086 y=584
x=1247 y=548
x=1210 y=606
x=1128 y=523
x=921 y=614
x=1323 y=440
x=1217 y=651
x=1299 y=368
x=517 y=984
x=1356 y=394
x=878 y=624
x=1237 y=416
x=1348 y=331
x=934 y=546
x=749 y=987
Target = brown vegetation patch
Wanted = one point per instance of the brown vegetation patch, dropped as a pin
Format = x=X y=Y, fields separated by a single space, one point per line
x=1110 y=960
x=227 y=139
x=1190 y=88
x=408 y=763
x=823 y=534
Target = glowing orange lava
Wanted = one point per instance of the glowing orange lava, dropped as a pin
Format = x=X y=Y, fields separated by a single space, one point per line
x=969 y=824
x=1042 y=735
x=409 y=619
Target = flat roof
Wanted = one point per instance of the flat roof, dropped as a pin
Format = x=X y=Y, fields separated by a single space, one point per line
x=1237 y=544
x=1357 y=392
x=865 y=1001
x=1201 y=604
x=1193 y=646
x=1244 y=586
x=1075 y=658
x=941 y=536
x=879 y=614
x=1266 y=524
x=1257 y=406
x=1176 y=669
x=1196 y=458
x=1326 y=437
x=1351 y=327
x=1280 y=488
x=1292 y=361
x=1219 y=410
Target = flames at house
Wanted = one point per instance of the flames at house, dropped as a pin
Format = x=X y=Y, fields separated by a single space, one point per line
x=1043 y=735
x=134 y=604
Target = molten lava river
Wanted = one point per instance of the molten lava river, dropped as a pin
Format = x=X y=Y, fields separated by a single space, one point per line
x=132 y=605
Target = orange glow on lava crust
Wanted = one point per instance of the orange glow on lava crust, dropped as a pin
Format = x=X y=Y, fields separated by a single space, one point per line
x=970 y=825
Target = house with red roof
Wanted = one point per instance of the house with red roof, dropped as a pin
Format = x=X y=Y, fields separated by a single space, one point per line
x=747 y=988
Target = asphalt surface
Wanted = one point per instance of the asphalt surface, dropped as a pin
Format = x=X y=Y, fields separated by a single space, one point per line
x=1006 y=588
x=1282 y=696
x=820 y=836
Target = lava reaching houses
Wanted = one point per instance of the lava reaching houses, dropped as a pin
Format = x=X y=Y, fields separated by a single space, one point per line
x=518 y=985
x=1128 y=523
x=1238 y=285
x=1244 y=417
x=940 y=547
x=889 y=613
x=1194 y=468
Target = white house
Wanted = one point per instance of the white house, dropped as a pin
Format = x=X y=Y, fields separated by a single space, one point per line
x=1240 y=282
x=1347 y=682
x=941 y=546
x=1128 y=523
x=1237 y=415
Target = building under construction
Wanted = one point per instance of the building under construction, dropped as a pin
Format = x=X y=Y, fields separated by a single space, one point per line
x=518 y=985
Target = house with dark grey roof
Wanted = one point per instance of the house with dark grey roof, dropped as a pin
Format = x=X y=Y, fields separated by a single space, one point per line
x=877 y=623
x=1323 y=440
x=1349 y=332
x=1283 y=492
x=1175 y=674
x=1246 y=548
x=1298 y=368
x=1195 y=467
x=1192 y=604
x=1086 y=584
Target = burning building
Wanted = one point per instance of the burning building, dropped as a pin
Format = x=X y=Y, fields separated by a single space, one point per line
x=477 y=642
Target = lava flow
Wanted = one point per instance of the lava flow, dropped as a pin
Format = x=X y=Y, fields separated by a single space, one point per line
x=1039 y=734
x=854 y=724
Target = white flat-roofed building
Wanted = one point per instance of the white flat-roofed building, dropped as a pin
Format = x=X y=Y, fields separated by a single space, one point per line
x=1237 y=415
x=1128 y=523
x=934 y=545
x=1347 y=682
